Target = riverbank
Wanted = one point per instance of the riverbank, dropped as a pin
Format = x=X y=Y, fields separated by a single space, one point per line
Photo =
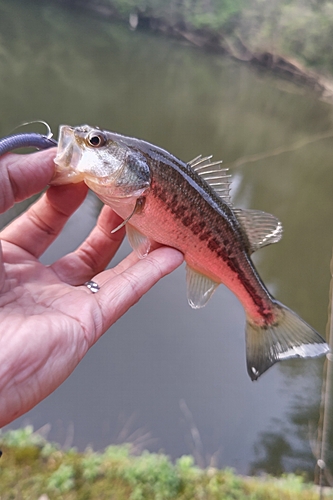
x=32 y=467
x=293 y=41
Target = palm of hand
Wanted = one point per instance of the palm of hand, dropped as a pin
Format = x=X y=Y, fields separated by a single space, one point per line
x=46 y=323
x=48 y=318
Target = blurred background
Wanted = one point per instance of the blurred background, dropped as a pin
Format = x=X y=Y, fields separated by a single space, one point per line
x=167 y=377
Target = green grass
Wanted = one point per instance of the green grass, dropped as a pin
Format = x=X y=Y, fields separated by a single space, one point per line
x=31 y=467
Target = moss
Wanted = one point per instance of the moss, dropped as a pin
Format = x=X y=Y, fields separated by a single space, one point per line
x=31 y=467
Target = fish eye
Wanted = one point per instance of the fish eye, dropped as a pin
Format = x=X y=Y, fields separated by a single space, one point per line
x=96 y=140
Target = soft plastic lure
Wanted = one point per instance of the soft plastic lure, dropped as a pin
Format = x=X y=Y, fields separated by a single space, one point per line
x=24 y=140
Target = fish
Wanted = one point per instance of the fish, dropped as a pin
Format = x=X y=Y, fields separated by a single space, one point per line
x=187 y=205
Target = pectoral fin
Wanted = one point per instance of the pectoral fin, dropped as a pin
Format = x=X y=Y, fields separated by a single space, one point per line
x=199 y=288
x=139 y=242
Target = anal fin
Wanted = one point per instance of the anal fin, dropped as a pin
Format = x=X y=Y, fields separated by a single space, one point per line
x=199 y=288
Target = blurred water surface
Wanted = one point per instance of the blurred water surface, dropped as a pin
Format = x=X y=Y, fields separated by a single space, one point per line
x=164 y=368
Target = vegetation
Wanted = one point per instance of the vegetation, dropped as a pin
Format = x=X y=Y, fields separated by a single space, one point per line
x=300 y=29
x=31 y=467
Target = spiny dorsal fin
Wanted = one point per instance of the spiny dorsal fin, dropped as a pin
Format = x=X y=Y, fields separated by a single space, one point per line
x=261 y=228
x=199 y=288
x=212 y=172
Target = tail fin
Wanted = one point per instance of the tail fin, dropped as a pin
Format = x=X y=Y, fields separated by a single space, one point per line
x=290 y=337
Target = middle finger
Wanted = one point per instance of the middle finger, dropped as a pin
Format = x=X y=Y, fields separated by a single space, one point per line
x=95 y=252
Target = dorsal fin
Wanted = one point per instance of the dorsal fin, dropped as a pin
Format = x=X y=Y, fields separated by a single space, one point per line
x=216 y=176
x=261 y=228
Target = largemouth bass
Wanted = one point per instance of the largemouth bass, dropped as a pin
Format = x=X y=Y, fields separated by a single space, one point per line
x=187 y=206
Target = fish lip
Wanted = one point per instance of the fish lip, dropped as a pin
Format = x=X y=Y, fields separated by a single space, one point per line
x=67 y=158
x=65 y=146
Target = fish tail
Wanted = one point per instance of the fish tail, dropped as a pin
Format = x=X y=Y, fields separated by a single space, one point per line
x=288 y=337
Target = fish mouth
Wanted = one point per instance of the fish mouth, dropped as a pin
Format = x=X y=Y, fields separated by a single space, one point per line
x=68 y=157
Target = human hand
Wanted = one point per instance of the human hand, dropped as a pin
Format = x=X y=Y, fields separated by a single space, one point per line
x=48 y=318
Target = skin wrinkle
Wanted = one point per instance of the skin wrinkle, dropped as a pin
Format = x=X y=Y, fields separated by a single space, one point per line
x=134 y=282
x=33 y=177
x=94 y=254
x=24 y=294
x=7 y=379
x=118 y=305
x=28 y=369
x=2 y=275
x=38 y=227
x=89 y=254
x=7 y=196
x=29 y=382
x=90 y=257
x=41 y=224
x=71 y=270
x=92 y=315
x=84 y=325
x=15 y=187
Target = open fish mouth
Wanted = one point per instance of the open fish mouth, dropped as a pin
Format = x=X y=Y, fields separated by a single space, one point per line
x=68 y=158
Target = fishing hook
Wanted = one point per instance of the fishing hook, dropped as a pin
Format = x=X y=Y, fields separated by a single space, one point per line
x=139 y=204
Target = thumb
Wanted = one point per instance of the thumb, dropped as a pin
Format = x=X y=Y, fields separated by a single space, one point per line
x=22 y=176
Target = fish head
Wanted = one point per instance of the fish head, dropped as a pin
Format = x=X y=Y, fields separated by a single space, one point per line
x=111 y=168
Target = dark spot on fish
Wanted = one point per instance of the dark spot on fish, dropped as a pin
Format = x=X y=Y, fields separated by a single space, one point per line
x=163 y=196
x=160 y=193
x=198 y=227
x=204 y=236
x=174 y=202
x=180 y=211
x=213 y=244
x=226 y=253
x=187 y=220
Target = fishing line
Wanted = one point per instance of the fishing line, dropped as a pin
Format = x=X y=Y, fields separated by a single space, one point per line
x=27 y=139
x=326 y=404
x=280 y=150
x=137 y=209
x=48 y=128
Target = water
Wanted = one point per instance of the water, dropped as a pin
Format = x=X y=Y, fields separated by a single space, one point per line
x=164 y=368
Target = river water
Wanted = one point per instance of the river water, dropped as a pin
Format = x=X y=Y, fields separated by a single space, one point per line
x=165 y=376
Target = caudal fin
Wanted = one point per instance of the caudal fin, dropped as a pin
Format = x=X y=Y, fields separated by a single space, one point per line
x=290 y=337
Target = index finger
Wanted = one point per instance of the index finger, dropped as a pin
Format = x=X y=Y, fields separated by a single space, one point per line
x=22 y=176
x=119 y=292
